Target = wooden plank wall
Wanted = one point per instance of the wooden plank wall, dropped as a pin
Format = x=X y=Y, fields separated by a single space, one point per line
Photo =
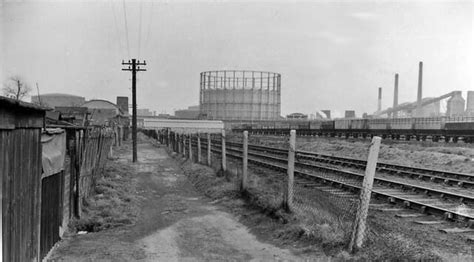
x=27 y=202
x=20 y=168
x=51 y=211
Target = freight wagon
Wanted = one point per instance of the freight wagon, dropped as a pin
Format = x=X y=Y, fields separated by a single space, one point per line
x=434 y=128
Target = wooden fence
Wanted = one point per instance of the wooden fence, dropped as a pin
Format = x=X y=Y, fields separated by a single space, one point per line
x=95 y=146
x=34 y=209
x=20 y=170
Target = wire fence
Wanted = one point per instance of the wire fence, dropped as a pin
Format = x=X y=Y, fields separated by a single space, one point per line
x=329 y=206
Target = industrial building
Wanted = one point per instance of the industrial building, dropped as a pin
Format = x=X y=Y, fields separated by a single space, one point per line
x=55 y=99
x=240 y=95
x=192 y=112
x=102 y=111
x=470 y=103
x=428 y=106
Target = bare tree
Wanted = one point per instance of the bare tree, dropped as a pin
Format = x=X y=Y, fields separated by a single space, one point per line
x=15 y=87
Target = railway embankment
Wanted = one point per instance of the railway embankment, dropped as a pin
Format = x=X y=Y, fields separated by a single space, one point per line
x=395 y=232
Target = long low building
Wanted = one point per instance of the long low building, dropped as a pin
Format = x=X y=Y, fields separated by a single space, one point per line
x=181 y=125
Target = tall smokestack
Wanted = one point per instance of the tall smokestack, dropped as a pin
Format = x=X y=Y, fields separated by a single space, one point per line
x=420 y=89
x=379 y=105
x=395 y=95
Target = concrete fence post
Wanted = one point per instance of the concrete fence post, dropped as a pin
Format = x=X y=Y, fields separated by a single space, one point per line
x=358 y=232
x=224 y=160
x=174 y=142
x=180 y=143
x=290 y=172
x=209 y=144
x=199 y=148
x=245 y=161
x=167 y=137
x=184 y=145
x=190 y=148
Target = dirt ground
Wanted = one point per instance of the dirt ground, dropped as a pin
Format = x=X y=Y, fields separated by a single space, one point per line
x=175 y=223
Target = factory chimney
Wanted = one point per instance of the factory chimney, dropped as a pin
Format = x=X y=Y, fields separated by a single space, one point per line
x=379 y=105
x=420 y=89
x=395 y=96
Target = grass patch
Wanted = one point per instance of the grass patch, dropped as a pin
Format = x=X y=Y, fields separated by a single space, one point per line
x=113 y=202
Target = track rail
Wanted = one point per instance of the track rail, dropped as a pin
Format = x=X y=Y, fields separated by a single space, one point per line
x=395 y=191
x=459 y=179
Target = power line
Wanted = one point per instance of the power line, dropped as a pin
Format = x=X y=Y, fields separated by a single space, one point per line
x=117 y=32
x=134 y=67
x=126 y=27
x=149 y=25
x=140 y=30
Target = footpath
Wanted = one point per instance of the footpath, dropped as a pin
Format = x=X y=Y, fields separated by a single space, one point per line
x=175 y=223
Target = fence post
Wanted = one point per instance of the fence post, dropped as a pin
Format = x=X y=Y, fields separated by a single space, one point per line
x=224 y=165
x=184 y=145
x=288 y=204
x=358 y=232
x=175 y=138
x=208 y=149
x=245 y=161
x=190 y=148
x=180 y=143
x=199 y=148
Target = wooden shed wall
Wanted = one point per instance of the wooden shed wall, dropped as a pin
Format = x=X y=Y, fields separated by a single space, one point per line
x=20 y=170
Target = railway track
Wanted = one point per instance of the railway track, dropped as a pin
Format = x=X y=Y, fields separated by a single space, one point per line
x=422 y=197
x=446 y=177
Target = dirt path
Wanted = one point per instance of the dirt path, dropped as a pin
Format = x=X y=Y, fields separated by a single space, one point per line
x=175 y=224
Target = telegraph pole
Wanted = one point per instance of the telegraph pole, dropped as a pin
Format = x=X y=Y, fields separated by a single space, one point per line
x=135 y=67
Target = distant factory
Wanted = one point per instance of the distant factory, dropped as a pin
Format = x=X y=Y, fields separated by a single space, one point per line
x=428 y=106
x=79 y=111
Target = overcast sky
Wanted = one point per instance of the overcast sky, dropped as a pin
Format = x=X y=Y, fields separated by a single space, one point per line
x=331 y=54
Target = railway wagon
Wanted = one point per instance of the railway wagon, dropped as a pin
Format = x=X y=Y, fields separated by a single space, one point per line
x=428 y=127
x=342 y=124
x=401 y=124
x=379 y=124
x=315 y=125
x=359 y=124
x=282 y=125
x=464 y=130
x=327 y=126
x=436 y=128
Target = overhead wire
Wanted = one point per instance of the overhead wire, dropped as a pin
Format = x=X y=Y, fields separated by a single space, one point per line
x=140 y=30
x=149 y=25
x=126 y=27
x=117 y=32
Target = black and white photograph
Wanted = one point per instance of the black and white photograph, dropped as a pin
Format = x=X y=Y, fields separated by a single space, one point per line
x=236 y=130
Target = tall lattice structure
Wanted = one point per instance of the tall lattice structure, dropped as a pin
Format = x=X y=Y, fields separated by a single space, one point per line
x=240 y=95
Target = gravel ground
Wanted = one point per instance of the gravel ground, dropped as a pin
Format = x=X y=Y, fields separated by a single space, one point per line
x=393 y=238
x=443 y=156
